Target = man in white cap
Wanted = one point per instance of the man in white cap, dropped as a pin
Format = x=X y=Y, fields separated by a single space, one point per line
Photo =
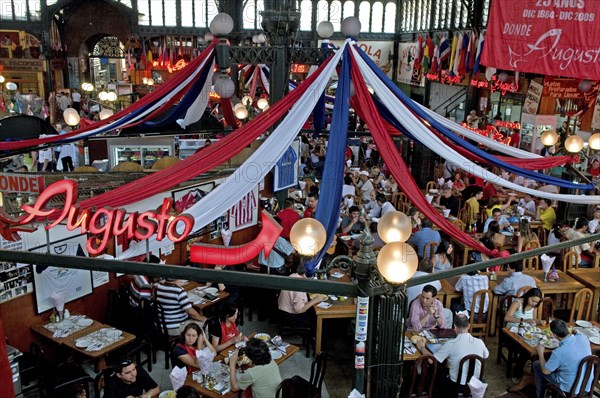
x=364 y=187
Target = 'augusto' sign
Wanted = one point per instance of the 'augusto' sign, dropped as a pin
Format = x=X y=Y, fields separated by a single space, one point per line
x=106 y=222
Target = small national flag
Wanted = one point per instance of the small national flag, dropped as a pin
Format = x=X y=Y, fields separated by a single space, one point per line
x=464 y=50
x=453 y=53
x=473 y=41
x=427 y=54
x=419 y=57
x=2 y=103
x=435 y=60
x=445 y=49
x=478 y=54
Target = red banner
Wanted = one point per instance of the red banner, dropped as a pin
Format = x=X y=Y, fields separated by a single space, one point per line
x=550 y=37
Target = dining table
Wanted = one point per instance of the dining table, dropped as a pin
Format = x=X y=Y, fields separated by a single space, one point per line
x=204 y=391
x=84 y=336
x=513 y=341
x=590 y=278
x=197 y=293
x=565 y=284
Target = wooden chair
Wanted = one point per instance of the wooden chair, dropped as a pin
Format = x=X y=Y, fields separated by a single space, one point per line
x=503 y=340
x=479 y=320
x=523 y=290
x=423 y=377
x=531 y=264
x=463 y=214
x=100 y=380
x=163 y=340
x=569 y=260
x=431 y=185
x=547 y=309
x=582 y=305
x=429 y=249
x=470 y=361
x=588 y=371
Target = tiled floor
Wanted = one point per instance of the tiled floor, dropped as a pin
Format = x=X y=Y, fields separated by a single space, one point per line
x=338 y=342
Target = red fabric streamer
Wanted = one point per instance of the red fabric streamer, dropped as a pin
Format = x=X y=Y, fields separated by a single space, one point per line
x=367 y=111
x=227 y=110
x=204 y=160
x=152 y=97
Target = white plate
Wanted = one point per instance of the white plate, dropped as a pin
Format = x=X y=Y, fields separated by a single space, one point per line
x=212 y=290
x=164 y=394
x=355 y=236
x=82 y=343
x=595 y=340
x=345 y=237
x=584 y=324
x=85 y=322
x=333 y=298
x=276 y=354
x=240 y=344
x=262 y=336
x=506 y=233
x=550 y=344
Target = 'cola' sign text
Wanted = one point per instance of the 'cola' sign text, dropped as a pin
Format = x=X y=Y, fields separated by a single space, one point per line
x=107 y=222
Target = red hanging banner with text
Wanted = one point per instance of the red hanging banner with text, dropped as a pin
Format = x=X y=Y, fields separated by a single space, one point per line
x=550 y=37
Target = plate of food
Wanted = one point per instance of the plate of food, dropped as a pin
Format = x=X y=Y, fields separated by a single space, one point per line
x=212 y=290
x=528 y=336
x=345 y=237
x=262 y=336
x=240 y=344
x=168 y=394
x=550 y=343
x=434 y=191
x=584 y=324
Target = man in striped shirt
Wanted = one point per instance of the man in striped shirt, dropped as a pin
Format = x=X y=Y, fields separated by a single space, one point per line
x=176 y=306
x=140 y=287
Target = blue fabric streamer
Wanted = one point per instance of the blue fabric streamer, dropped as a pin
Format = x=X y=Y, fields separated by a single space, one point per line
x=319 y=116
x=188 y=99
x=330 y=196
x=456 y=139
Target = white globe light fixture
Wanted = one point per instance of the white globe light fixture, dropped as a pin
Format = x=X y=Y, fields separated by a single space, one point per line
x=102 y=95
x=397 y=262
x=262 y=104
x=11 y=86
x=71 y=117
x=150 y=82
x=87 y=86
x=262 y=38
x=325 y=29
x=574 y=144
x=241 y=112
x=208 y=37
x=221 y=25
x=105 y=114
x=2 y=79
x=111 y=96
x=594 y=141
x=144 y=80
x=549 y=138
x=351 y=27
x=308 y=236
x=224 y=87
x=394 y=226
x=247 y=100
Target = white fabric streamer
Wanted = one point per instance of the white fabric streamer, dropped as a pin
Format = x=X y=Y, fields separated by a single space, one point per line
x=196 y=110
x=421 y=133
x=254 y=169
x=265 y=80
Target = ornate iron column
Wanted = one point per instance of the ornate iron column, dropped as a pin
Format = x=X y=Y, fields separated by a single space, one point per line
x=280 y=21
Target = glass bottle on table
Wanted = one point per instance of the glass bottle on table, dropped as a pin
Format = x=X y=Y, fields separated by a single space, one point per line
x=521 y=329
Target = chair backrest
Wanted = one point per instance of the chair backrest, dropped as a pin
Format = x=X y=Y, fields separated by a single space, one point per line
x=463 y=214
x=317 y=370
x=471 y=362
x=429 y=249
x=547 y=309
x=531 y=264
x=295 y=387
x=503 y=307
x=569 y=261
x=423 y=377
x=479 y=320
x=159 y=318
x=588 y=371
x=523 y=290
x=100 y=381
x=582 y=305
x=532 y=244
x=431 y=185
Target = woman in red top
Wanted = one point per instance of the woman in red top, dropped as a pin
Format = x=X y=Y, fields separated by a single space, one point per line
x=223 y=331
x=191 y=339
x=595 y=168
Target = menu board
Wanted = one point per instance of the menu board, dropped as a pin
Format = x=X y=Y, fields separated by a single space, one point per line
x=15 y=280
